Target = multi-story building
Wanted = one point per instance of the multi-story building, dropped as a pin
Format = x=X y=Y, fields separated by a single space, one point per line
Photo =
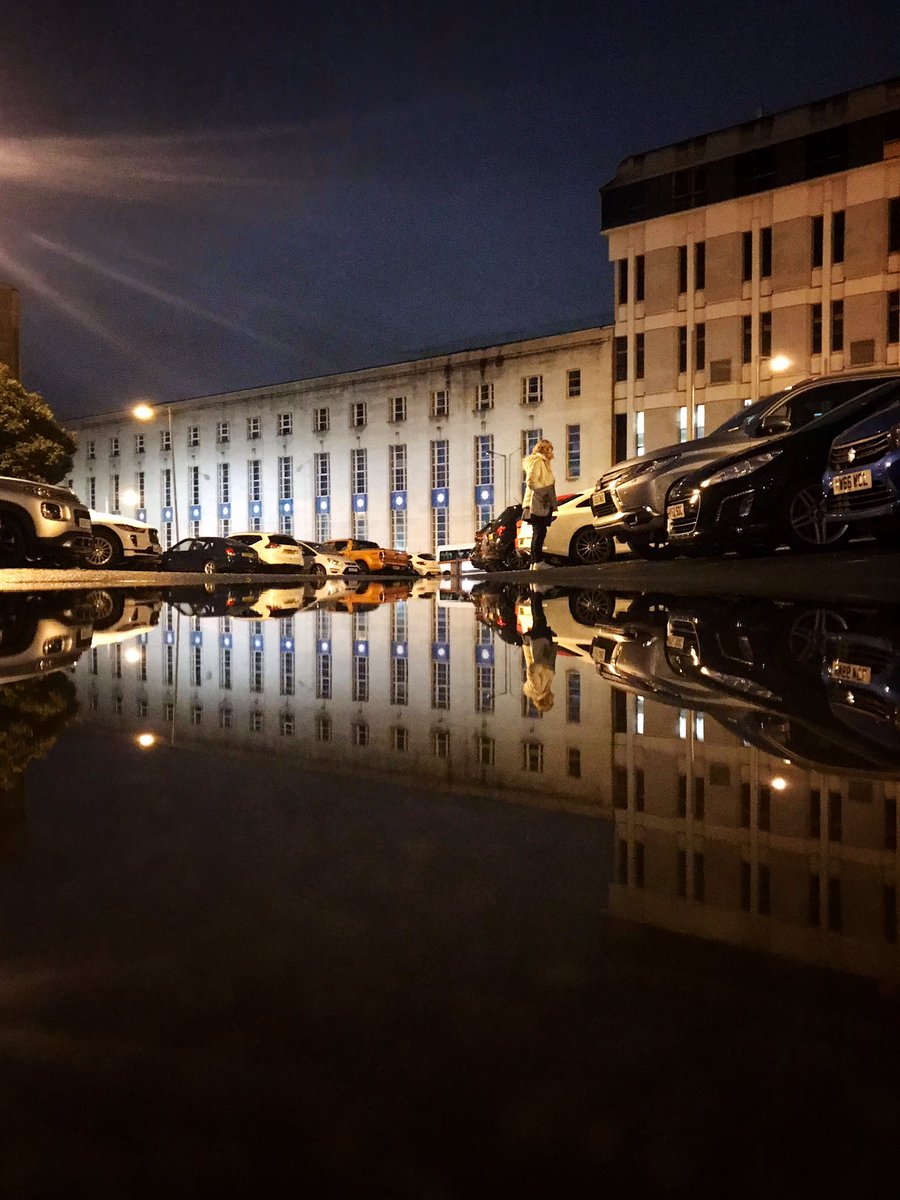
x=771 y=243
x=414 y=455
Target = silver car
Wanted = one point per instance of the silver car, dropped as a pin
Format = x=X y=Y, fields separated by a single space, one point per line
x=629 y=501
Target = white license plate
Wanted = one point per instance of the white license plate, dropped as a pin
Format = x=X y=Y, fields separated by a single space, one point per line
x=674 y=642
x=84 y=523
x=856 y=481
x=599 y=654
x=675 y=511
x=850 y=672
x=599 y=498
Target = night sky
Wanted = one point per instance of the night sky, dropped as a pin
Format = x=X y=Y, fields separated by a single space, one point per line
x=196 y=198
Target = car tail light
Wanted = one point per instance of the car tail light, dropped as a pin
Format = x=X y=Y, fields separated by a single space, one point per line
x=271 y=545
x=501 y=529
x=381 y=556
x=230 y=552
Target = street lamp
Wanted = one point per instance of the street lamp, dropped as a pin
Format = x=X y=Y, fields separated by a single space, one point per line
x=147 y=412
x=778 y=363
x=505 y=457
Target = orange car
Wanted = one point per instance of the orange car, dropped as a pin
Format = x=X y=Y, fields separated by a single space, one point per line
x=370 y=556
x=366 y=597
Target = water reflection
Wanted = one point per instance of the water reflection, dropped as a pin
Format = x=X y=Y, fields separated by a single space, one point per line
x=746 y=752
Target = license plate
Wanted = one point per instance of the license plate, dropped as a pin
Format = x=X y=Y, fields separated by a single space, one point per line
x=850 y=672
x=674 y=642
x=856 y=481
x=675 y=511
x=599 y=498
x=84 y=523
x=599 y=654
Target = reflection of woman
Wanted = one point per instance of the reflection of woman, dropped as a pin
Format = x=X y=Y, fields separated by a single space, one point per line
x=539 y=650
x=539 y=500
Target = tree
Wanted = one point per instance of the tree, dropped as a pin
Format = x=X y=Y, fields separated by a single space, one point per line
x=33 y=445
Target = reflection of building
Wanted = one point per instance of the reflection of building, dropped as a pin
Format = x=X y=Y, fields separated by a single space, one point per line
x=9 y=329
x=417 y=689
x=718 y=839
x=780 y=236
x=412 y=455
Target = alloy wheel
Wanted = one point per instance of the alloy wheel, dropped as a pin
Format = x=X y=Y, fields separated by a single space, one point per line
x=591 y=547
x=808 y=529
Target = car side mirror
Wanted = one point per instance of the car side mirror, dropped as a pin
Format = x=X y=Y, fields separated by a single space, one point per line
x=771 y=425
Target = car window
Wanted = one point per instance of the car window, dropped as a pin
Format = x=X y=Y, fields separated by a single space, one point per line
x=809 y=406
x=246 y=539
x=281 y=539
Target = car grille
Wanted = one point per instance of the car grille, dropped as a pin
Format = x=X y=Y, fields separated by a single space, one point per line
x=855 y=502
x=82 y=514
x=685 y=526
x=866 y=450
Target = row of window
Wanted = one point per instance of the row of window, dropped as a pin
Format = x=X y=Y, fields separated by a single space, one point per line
x=816 y=313
x=756 y=255
x=825 y=905
x=532 y=393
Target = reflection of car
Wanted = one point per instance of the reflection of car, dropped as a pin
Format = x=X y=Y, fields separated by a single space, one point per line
x=277 y=550
x=118 y=539
x=861 y=672
x=277 y=602
x=319 y=562
x=425 y=564
x=573 y=535
x=210 y=555
x=495 y=543
x=42 y=633
x=370 y=556
x=365 y=597
x=119 y=615
x=210 y=600
x=862 y=482
x=41 y=522
x=630 y=499
x=771 y=493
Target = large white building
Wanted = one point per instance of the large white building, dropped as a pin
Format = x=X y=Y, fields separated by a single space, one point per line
x=415 y=454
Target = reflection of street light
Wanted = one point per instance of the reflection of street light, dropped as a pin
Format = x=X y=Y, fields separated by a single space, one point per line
x=130 y=497
x=132 y=655
x=146 y=412
x=146 y=740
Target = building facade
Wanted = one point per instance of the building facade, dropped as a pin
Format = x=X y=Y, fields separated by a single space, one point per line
x=415 y=455
x=772 y=242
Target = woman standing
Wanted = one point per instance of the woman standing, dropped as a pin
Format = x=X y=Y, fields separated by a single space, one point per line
x=539 y=501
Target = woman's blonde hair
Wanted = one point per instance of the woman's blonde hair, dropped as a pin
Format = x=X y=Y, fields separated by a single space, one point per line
x=544 y=447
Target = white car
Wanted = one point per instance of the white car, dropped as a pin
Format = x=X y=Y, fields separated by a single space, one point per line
x=120 y=539
x=320 y=563
x=425 y=564
x=277 y=550
x=573 y=536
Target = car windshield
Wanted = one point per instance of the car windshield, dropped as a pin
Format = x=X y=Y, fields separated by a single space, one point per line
x=791 y=409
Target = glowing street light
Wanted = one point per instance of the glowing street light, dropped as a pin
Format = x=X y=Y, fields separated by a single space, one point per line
x=147 y=412
x=146 y=740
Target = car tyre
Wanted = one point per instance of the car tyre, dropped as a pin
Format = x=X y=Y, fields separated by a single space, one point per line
x=318 y=573
x=106 y=552
x=590 y=547
x=589 y=606
x=209 y=568
x=807 y=529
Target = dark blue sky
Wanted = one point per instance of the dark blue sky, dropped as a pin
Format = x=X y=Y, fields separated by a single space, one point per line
x=204 y=197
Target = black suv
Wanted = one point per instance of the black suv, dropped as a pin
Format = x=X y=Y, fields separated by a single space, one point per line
x=771 y=493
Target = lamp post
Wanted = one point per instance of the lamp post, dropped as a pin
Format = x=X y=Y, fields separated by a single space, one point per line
x=505 y=457
x=147 y=412
x=777 y=364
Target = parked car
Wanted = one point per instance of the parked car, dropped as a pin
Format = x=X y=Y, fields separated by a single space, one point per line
x=371 y=557
x=119 y=539
x=43 y=633
x=42 y=523
x=629 y=501
x=425 y=564
x=319 y=562
x=279 y=551
x=862 y=480
x=573 y=536
x=210 y=555
x=495 y=543
x=772 y=493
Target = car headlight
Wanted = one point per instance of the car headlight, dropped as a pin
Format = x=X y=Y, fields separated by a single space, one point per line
x=738 y=470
